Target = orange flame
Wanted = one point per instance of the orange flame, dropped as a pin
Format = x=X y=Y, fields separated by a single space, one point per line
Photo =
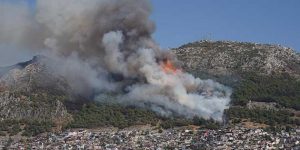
x=168 y=67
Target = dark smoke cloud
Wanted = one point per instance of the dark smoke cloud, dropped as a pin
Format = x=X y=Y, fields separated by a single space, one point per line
x=92 y=41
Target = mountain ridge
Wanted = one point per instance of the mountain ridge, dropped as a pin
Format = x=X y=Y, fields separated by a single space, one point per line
x=227 y=57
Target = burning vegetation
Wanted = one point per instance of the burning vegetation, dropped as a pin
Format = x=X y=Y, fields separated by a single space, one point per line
x=169 y=67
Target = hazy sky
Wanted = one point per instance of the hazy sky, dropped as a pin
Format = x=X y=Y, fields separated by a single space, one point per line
x=262 y=21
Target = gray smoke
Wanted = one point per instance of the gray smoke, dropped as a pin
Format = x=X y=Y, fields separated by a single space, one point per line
x=92 y=41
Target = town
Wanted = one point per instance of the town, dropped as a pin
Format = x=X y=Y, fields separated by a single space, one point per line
x=151 y=138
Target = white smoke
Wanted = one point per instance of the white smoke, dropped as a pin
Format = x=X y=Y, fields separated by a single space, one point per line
x=91 y=41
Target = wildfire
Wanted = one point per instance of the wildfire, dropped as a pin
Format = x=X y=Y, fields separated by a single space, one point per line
x=168 y=67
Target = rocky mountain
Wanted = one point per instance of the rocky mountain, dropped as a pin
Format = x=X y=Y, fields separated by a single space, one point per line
x=230 y=58
x=264 y=78
x=30 y=91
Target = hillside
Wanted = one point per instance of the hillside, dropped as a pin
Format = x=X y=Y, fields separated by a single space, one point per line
x=30 y=94
x=264 y=78
x=229 y=58
x=29 y=91
x=33 y=100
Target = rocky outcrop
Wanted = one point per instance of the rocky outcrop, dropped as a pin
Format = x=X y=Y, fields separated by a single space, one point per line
x=22 y=107
x=227 y=58
x=31 y=91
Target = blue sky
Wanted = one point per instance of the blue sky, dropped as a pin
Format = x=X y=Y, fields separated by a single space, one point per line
x=262 y=21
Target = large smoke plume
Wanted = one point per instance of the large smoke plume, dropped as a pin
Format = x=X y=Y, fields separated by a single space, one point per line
x=105 y=46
